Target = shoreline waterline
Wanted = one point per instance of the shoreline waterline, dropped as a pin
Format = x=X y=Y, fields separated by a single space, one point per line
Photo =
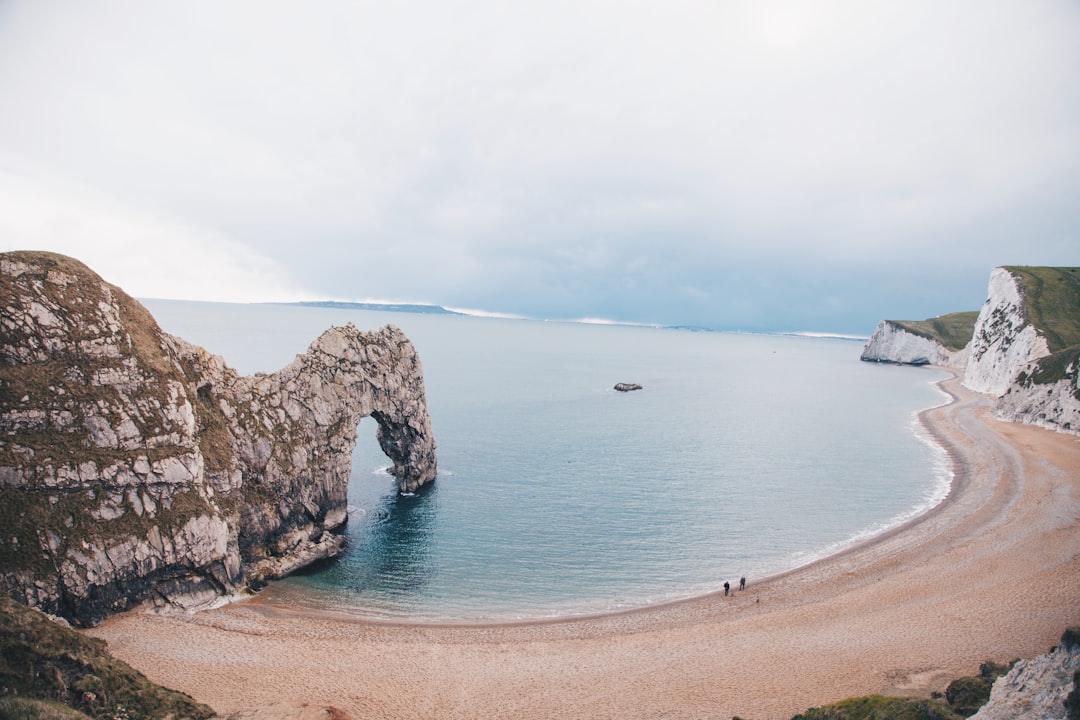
x=746 y=455
x=271 y=605
x=939 y=494
x=989 y=573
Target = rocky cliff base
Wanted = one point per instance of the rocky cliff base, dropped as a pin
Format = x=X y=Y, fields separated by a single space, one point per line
x=138 y=467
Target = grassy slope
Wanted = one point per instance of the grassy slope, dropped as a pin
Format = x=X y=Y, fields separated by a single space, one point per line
x=954 y=330
x=1053 y=305
x=46 y=667
x=878 y=707
x=1053 y=302
x=962 y=699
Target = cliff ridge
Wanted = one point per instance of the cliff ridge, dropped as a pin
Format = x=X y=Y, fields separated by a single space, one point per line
x=1022 y=347
x=138 y=467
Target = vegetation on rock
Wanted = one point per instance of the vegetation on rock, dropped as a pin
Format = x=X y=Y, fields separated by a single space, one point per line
x=880 y=707
x=963 y=698
x=1053 y=303
x=1053 y=306
x=966 y=695
x=50 y=671
x=136 y=466
x=954 y=330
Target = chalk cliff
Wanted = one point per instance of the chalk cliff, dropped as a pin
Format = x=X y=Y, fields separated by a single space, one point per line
x=1024 y=347
x=136 y=466
x=893 y=343
x=1005 y=340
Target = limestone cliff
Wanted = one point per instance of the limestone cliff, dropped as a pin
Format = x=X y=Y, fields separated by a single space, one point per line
x=136 y=466
x=1005 y=339
x=894 y=343
x=1024 y=346
x=1046 y=394
x=1026 y=349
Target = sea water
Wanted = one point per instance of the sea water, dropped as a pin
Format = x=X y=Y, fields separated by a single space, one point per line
x=743 y=456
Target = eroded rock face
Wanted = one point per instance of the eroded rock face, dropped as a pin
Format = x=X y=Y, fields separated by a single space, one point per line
x=137 y=466
x=1004 y=342
x=1044 y=687
x=1054 y=406
x=1006 y=358
x=891 y=343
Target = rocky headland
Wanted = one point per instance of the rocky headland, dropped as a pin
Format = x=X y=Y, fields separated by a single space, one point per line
x=1047 y=686
x=1022 y=347
x=138 y=467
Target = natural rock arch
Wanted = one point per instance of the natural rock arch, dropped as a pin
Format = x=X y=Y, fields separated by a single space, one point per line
x=298 y=430
x=136 y=465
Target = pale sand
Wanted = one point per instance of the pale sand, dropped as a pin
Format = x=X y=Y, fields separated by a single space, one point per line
x=991 y=573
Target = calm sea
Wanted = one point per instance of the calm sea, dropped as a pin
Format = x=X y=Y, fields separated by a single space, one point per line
x=744 y=455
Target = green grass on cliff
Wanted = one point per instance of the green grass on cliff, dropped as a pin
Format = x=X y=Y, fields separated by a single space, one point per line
x=879 y=707
x=1053 y=302
x=954 y=330
x=1053 y=306
x=46 y=668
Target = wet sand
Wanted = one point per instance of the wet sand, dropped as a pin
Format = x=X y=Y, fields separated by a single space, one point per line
x=993 y=572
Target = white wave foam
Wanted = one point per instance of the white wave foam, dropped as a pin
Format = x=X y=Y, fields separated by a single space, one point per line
x=472 y=312
x=933 y=495
x=827 y=335
x=607 y=321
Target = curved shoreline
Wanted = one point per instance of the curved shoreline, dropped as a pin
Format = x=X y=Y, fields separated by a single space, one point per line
x=991 y=572
x=274 y=603
x=923 y=417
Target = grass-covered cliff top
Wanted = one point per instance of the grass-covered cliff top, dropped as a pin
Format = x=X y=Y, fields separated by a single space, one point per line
x=954 y=330
x=1053 y=302
x=1053 y=306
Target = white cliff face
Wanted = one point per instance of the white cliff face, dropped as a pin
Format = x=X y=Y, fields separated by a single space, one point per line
x=1001 y=360
x=892 y=343
x=1054 y=406
x=136 y=465
x=1004 y=342
x=1037 y=688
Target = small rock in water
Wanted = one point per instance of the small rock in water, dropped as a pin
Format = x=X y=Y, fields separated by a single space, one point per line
x=627 y=387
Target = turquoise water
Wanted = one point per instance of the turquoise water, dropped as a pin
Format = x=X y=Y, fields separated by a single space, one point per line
x=744 y=455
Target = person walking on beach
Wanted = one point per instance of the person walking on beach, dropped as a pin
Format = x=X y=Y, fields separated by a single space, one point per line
x=742 y=583
x=727 y=587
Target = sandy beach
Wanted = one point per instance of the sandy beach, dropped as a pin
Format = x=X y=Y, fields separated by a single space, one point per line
x=993 y=572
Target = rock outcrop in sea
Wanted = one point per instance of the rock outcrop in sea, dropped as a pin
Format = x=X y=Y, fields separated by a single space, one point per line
x=136 y=466
x=1023 y=347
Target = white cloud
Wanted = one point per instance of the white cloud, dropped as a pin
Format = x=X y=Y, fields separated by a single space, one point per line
x=145 y=255
x=555 y=155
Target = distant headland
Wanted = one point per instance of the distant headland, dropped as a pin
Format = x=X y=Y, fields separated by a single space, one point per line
x=1022 y=347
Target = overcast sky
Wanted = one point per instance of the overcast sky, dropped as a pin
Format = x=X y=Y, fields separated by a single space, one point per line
x=769 y=165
